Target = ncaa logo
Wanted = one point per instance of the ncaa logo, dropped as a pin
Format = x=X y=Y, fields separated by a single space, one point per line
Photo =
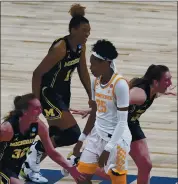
x=33 y=129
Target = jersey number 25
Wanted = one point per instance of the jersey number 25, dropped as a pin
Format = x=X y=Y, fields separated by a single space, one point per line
x=101 y=106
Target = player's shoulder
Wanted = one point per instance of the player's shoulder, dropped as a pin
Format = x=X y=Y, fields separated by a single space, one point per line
x=41 y=125
x=120 y=79
x=59 y=44
x=120 y=83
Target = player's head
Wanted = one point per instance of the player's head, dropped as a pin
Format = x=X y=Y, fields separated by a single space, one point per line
x=159 y=77
x=103 y=54
x=79 y=26
x=26 y=106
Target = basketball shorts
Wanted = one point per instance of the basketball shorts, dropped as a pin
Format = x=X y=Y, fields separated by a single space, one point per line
x=136 y=131
x=53 y=103
x=93 y=149
x=5 y=176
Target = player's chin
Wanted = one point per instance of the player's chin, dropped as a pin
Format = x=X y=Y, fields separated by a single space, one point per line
x=163 y=91
x=84 y=41
x=36 y=118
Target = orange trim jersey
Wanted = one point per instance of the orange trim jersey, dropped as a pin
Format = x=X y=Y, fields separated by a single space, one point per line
x=108 y=104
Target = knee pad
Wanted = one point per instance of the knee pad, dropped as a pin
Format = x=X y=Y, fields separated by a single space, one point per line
x=118 y=177
x=67 y=137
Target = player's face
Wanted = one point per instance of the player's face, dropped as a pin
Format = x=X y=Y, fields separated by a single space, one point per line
x=34 y=110
x=97 y=66
x=164 y=82
x=82 y=33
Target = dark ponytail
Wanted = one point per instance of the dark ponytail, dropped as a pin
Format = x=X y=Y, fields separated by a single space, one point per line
x=154 y=72
x=20 y=104
x=77 y=12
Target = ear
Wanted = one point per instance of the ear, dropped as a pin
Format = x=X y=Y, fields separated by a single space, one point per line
x=73 y=30
x=24 y=112
x=155 y=83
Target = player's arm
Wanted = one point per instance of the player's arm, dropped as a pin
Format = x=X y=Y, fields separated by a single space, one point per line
x=137 y=96
x=92 y=117
x=90 y=123
x=49 y=148
x=6 y=132
x=83 y=72
x=56 y=54
x=121 y=91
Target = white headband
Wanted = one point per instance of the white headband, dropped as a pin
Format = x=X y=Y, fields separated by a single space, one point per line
x=100 y=57
x=113 y=65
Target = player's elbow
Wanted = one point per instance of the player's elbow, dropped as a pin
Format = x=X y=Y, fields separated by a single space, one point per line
x=5 y=134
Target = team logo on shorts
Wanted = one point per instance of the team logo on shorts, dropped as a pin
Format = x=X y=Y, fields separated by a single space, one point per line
x=52 y=113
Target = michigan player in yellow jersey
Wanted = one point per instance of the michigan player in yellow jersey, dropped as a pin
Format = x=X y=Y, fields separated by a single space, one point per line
x=51 y=84
x=108 y=135
x=17 y=134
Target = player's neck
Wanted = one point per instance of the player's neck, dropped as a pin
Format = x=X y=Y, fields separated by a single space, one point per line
x=152 y=91
x=24 y=124
x=107 y=77
x=73 y=43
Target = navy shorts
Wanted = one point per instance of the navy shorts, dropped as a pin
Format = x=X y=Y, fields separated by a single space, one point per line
x=136 y=131
x=53 y=103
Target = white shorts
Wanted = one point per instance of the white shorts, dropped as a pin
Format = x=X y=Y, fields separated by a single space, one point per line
x=94 y=148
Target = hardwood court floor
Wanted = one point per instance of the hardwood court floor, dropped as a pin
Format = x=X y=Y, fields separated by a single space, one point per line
x=144 y=33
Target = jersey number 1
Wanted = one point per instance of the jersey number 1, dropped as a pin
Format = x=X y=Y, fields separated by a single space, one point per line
x=68 y=76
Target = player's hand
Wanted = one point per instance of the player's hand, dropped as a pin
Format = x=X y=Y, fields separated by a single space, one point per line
x=83 y=113
x=78 y=177
x=103 y=158
x=170 y=92
x=77 y=148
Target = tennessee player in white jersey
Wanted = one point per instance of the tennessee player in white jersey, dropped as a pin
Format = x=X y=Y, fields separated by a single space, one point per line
x=107 y=134
x=107 y=100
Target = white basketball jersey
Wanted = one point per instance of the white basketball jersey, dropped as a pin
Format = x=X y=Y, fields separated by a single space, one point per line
x=106 y=115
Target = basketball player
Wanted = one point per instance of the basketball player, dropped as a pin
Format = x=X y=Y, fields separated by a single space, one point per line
x=51 y=84
x=17 y=134
x=143 y=92
x=107 y=131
